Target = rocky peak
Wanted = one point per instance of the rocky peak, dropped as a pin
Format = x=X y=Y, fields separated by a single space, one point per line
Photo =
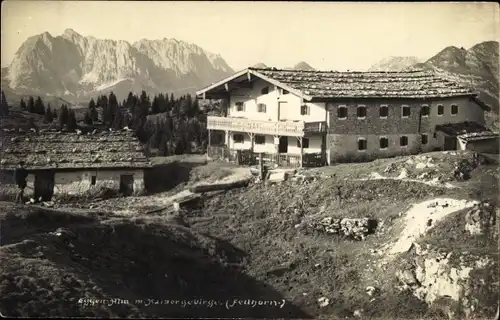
x=302 y=65
x=72 y=64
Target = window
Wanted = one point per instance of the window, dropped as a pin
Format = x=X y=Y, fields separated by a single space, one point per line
x=403 y=141
x=264 y=90
x=240 y=106
x=260 y=139
x=238 y=138
x=304 y=110
x=440 y=109
x=261 y=107
x=384 y=111
x=454 y=109
x=361 y=112
x=425 y=139
x=405 y=111
x=361 y=144
x=384 y=143
x=93 y=180
x=425 y=111
x=342 y=112
x=305 y=142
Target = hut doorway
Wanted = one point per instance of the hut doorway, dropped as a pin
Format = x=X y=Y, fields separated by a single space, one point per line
x=44 y=185
x=126 y=184
x=450 y=143
x=283 y=145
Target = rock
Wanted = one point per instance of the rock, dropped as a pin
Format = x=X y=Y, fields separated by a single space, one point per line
x=390 y=167
x=407 y=277
x=358 y=313
x=403 y=174
x=479 y=219
x=323 y=302
x=371 y=291
x=352 y=228
x=421 y=165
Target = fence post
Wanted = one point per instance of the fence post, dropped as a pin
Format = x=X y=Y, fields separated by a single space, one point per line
x=261 y=166
x=238 y=157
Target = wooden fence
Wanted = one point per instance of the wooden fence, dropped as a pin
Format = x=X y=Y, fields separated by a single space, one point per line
x=247 y=157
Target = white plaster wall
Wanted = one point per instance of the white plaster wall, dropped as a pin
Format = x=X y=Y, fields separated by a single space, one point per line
x=467 y=111
x=314 y=145
x=317 y=110
x=77 y=182
x=251 y=98
x=268 y=147
x=290 y=110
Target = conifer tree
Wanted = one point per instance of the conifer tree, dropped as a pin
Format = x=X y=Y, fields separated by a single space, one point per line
x=23 y=104
x=94 y=114
x=39 y=107
x=87 y=118
x=4 y=108
x=49 y=117
x=71 y=121
x=92 y=104
x=63 y=116
x=31 y=105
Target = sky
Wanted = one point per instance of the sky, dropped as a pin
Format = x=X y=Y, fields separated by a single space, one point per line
x=327 y=35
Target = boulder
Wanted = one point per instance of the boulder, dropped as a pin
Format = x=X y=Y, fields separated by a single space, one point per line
x=479 y=219
x=353 y=228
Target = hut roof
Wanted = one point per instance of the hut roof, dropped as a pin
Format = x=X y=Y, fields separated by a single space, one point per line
x=50 y=149
x=333 y=84
x=324 y=85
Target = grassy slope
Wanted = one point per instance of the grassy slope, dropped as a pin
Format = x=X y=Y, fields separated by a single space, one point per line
x=45 y=275
x=305 y=265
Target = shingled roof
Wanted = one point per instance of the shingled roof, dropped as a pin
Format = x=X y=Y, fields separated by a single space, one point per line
x=467 y=131
x=324 y=85
x=63 y=150
x=333 y=84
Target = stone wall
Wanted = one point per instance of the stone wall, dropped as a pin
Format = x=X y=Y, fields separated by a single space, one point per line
x=78 y=182
x=356 y=229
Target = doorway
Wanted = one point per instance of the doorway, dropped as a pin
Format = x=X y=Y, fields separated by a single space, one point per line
x=127 y=184
x=283 y=145
x=450 y=143
x=44 y=185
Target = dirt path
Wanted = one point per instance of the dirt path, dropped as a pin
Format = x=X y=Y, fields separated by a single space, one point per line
x=402 y=176
x=134 y=205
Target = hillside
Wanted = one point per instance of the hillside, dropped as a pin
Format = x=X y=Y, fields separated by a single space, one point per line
x=75 y=67
x=477 y=67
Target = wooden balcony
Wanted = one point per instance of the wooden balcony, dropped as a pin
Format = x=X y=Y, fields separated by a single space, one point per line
x=277 y=128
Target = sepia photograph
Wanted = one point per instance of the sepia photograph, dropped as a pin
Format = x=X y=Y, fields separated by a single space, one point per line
x=249 y=159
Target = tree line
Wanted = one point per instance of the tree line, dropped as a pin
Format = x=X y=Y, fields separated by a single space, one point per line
x=166 y=124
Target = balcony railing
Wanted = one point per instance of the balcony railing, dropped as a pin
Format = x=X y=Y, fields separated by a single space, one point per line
x=247 y=157
x=279 y=128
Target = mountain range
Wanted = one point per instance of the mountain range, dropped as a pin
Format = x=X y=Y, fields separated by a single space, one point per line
x=394 y=63
x=72 y=67
x=75 y=67
x=475 y=67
